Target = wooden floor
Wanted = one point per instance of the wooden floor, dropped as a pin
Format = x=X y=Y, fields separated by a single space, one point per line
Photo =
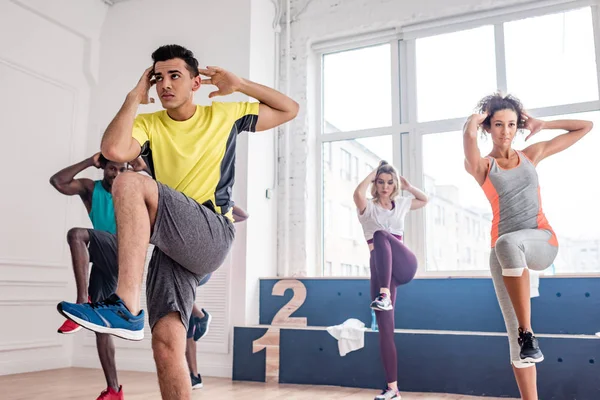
x=86 y=384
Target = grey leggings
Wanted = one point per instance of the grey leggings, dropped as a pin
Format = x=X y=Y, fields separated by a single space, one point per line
x=515 y=251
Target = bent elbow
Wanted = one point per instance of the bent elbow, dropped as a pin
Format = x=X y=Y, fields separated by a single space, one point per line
x=113 y=153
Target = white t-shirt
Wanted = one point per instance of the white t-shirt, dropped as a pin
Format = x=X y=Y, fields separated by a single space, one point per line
x=376 y=218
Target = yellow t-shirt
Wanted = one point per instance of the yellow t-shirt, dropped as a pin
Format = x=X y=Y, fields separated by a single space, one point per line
x=197 y=156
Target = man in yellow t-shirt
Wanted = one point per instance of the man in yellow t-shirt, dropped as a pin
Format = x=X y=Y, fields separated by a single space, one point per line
x=185 y=212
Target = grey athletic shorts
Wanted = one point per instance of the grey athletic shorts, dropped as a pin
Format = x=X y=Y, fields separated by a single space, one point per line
x=191 y=241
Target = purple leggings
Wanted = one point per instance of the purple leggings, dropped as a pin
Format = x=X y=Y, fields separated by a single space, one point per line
x=392 y=265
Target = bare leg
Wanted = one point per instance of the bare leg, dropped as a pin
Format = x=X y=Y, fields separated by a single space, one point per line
x=168 y=345
x=527 y=381
x=518 y=291
x=136 y=203
x=190 y=355
x=78 y=239
x=106 y=353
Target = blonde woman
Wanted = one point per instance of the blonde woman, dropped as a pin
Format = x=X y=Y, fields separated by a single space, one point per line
x=392 y=263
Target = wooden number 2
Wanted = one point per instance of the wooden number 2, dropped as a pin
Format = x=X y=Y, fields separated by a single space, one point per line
x=283 y=316
x=270 y=340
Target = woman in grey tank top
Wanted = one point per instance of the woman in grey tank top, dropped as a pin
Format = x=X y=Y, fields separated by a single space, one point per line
x=522 y=238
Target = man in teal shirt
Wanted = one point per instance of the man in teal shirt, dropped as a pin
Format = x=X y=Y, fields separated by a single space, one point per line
x=98 y=245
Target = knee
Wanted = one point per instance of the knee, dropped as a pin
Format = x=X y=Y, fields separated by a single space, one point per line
x=506 y=244
x=77 y=235
x=379 y=235
x=508 y=251
x=126 y=183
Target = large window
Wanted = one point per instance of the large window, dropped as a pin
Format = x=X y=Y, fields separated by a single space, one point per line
x=343 y=240
x=357 y=89
x=452 y=70
x=570 y=198
x=548 y=61
x=453 y=192
x=551 y=60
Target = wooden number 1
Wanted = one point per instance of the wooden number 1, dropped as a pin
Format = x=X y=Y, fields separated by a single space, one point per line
x=270 y=340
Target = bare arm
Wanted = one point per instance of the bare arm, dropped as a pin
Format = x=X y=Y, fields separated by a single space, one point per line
x=64 y=180
x=275 y=108
x=139 y=165
x=118 y=143
x=474 y=163
x=420 y=199
x=239 y=215
x=576 y=129
x=360 y=193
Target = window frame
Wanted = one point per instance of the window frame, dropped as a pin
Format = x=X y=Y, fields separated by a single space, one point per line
x=406 y=132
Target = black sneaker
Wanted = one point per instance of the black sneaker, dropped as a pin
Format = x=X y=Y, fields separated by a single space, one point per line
x=389 y=393
x=382 y=303
x=530 y=349
x=196 y=381
x=202 y=325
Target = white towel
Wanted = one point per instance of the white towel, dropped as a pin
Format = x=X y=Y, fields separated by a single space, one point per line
x=350 y=335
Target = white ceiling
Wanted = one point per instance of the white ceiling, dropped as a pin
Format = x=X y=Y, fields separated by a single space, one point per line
x=111 y=2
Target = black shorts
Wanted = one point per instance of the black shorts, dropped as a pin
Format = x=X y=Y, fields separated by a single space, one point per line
x=105 y=267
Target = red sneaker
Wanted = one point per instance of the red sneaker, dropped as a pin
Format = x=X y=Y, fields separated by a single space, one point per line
x=110 y=394
x=68 y=327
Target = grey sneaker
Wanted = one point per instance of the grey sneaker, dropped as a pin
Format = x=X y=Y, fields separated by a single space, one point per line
x=389 y=394
x=382 y=303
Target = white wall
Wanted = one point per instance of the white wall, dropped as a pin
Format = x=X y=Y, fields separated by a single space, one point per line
x=46 y=69
x=322 y=20
x=261 y=259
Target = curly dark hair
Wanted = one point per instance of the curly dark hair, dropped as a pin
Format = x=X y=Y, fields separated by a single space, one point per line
x=498 y=102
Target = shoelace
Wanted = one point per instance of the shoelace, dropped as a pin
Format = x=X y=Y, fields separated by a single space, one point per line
x=525 y=338
x=103 y=394
x=102 y=304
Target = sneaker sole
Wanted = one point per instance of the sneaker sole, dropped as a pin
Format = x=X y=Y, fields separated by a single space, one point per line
x=122 y=333
x=207 y=326
x=398 y=397
x=532 y=360
x=69 y=332
x=197 y=386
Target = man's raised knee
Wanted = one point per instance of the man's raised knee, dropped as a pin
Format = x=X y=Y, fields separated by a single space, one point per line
x=77 y=235
x=125 y=183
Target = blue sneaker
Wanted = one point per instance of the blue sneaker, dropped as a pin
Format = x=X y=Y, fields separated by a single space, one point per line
x=202 y=325
x=109 y=316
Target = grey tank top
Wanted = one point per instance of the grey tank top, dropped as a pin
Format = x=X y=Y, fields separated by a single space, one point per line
x=514 y=195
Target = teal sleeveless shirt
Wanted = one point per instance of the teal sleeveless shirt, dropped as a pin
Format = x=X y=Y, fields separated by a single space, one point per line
x=103 y=210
